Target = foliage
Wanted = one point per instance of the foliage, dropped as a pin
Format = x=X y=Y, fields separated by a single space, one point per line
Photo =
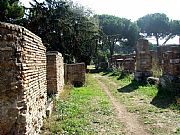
x=148 y=102
x=174 y=30
x=156 y=70
x=87 y=110
x=156 y=24
x=159 y=26
x=65 y=27
x=10 y=10
x=117 y=30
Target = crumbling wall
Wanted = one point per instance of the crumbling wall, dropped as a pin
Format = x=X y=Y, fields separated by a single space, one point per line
x=75 y=74
x=112 y=61
x=123 y=61
x=155 y=59
x=143 y=61
x=55 y=72
x=170 y=62
x=129 y=65
x=23 y=84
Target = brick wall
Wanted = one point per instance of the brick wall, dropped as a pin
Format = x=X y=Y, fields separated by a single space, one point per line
x=143 y=61
x=169 y=59
x=129 y=65
x=170 y=62
x=23 y=84
x=55 y=72
x=75 y=73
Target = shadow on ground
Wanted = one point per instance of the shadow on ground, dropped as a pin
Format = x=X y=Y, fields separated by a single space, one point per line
x=131 y=87
x=105 y=72
x=93 y=71
x=164 y=99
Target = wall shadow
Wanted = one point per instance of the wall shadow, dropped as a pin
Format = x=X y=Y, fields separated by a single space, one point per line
x=164 y=98
x=123 y=75
x=93 y=71
x=131 y=87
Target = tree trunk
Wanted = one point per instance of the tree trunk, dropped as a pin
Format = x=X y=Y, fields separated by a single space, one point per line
x=157 y=39
x=167 y=39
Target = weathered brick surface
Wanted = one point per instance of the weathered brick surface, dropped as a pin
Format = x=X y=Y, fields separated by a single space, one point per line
x=55 y=72
x=170 y=59
x=155 y=59
x=170 y=62
x=143 y=60
x=129 y=65
x=22 y=81
x=112 y=61
x=123 y=61
x=75 y=73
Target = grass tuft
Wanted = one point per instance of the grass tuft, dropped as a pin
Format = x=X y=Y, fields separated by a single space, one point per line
x=83 y=110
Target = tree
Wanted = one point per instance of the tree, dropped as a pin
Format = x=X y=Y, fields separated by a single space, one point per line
x=156 y=25
x=174 y=30
x=10 y=10
x=64 y=27
x=117 y=29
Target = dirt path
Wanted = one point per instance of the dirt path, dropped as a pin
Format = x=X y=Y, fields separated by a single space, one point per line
x=133 y=127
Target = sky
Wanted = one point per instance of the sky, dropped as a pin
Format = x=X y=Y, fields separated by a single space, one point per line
x=134 y=9
x=130 y=9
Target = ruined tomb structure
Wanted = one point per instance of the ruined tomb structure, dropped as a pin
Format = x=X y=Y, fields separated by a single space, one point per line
x=55 y=72
x=23 y=84
x=75 y=74
x=170 y=80
x=143 y=61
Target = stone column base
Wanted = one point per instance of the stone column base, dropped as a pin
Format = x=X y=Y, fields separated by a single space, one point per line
x=142 y=76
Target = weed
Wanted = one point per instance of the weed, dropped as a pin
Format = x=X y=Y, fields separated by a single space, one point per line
x=177 y=130
x=175 y=106
x=156 y=108
x=156 y=70
x=84 y=110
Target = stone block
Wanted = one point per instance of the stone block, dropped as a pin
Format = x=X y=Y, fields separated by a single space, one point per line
x=143 y=61
x=55 y=72
x=75 y=74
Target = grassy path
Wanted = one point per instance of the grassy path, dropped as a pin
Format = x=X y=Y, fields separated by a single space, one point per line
x=153 y=109
x=133 y=127
x=84 y=111
x=109 y=106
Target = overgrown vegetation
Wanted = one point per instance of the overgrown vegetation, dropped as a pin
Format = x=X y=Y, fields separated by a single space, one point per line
x=85 y=110
x=155 y=107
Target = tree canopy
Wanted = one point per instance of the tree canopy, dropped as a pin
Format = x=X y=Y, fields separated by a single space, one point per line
x=156 y=25
x=80 y=35
x=173 y=31
x=10 y=10
x=65 y=27
x=118 y=29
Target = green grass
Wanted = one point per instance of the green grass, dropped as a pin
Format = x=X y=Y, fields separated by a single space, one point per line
x=84 y=110
x=156 y=109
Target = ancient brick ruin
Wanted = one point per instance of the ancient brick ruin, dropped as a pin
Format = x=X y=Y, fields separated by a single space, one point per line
x=166 y=58
x=170 y=62
x=143 y=61
x=125 y=62
x=129 y=65
x=113 y=60
x=55 y=72
x=27 y=76
x=23 y=84
x=75 y=74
